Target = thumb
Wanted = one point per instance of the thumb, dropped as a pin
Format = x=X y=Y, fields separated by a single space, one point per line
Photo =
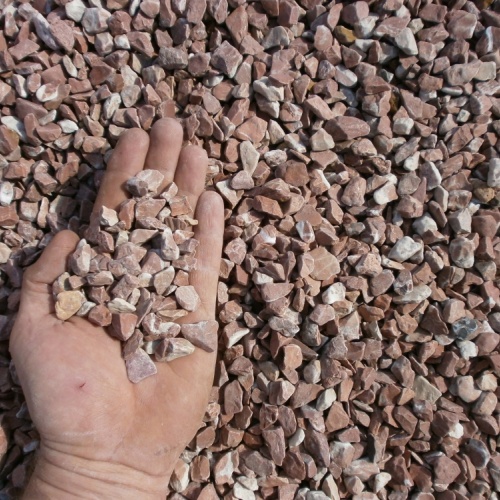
x=36 y=292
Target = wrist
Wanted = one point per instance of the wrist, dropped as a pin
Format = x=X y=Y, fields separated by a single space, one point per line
x=60 y=475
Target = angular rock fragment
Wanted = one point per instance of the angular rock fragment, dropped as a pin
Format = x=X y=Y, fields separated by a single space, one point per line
x=68 y=303
x=345 y=128
x=139 y=366
x=188 y=298
x=226 y=59
x=202 y=334
x=325 y=264
x=123 y=325
x=146 y=181
x=404 y=249
x=170 y=349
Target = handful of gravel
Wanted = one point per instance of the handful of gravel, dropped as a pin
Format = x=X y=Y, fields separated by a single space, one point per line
x=131 y=275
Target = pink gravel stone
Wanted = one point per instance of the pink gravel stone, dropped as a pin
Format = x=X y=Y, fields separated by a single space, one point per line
x=188 y=298
x=139 y=366
x=202 y=334
x=345 y=128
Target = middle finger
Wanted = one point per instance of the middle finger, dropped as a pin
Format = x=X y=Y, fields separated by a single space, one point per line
x=191 y=173
x=126 y=161
x=164 y=148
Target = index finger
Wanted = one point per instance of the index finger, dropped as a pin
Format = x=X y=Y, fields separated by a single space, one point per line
x=127 y=160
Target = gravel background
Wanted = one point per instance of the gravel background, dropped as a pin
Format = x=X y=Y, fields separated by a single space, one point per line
x=356 y=148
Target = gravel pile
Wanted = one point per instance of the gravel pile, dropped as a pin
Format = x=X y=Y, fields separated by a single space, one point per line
x=356 y=147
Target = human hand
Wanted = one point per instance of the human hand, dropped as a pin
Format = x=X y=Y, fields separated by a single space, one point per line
x=101 y=435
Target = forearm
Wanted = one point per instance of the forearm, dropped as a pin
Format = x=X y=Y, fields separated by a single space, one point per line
x=59 y=476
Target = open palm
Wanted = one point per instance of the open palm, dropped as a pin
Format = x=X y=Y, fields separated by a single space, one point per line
x=72 y=372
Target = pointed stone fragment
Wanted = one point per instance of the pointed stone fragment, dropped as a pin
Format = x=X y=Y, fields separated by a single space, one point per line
x=139 y=366
x=202 y=334
x=123 y=325
x=170 y=349
x=187 y=298
x=68 y=303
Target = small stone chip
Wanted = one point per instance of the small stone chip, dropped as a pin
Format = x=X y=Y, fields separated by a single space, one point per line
x=187 y=298
x=326 y=264
x=139 y=366
x=179 y=205
x=79 y=261
x=123 y=325
x=108 y=217
x=170 y=349
x=404 y=249
x=202 y=334
x=68 y=303
x=100 y=315
x=168 y=247
x=146 y=181
x=163 y=280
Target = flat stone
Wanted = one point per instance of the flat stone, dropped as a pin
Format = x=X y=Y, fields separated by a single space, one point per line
x=276 y=37
x=334 y=293
x=249 y=157
x=354 y=192
x=464 y=328
x=63 y=35
x=322 y=314
x=79 y=261
x=418 y=294
x=274 y=291
x=169 y=249
x=43 y=31
x=100 y=315
x=461 y=74
x=319 y=107
x=171 y=58
x=275 y=441
x=478 y=453
x=321 y=141
x=242 y=180
x=146 y=181
x=445 y=470
x=9 y=140
x=461 y=25
x=337 y=418
x=75 y=10
x=271 y=92
x=252 y=130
